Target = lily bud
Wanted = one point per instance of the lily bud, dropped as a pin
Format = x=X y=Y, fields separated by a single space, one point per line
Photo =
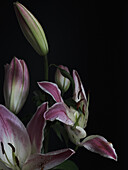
x=62 y=82
x=16 y=85
x=32 y=29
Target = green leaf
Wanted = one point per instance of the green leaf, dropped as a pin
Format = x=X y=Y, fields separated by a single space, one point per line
x=67 y=165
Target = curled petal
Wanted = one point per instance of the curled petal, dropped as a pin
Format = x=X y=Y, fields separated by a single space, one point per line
x=99 y=144
x=14 y=132
x=36 y=127
x=58 y=112
x=79 y=95
x=49 y=160
x=52 y=89
x=79 y=92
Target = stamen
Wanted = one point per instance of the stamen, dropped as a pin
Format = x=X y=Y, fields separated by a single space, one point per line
x=2 y=147
x=3 y=151
x=13 y=148
x=17 y=161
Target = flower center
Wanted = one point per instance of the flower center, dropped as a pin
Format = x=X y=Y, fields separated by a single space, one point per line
x=15 y=165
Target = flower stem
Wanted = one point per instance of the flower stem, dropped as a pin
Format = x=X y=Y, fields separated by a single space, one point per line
x=46 y=68
x=76 y=148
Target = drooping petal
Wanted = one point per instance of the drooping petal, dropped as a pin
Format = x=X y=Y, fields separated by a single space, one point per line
x=52 y=89
x=58 y=112
x=80 y=96
x=79 y=92
x=36 y=127
x=100 y=145
x=47 y=161
x=14 y=132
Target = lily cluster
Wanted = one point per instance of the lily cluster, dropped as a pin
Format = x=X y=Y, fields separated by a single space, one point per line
x=20 y=146
x=75 y=117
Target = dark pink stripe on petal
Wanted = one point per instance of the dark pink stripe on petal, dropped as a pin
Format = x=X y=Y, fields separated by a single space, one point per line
x=49 y=160
x=52 y=89
x=58 y=112
x=36 y=127
x=13 y=131
x=99 y=144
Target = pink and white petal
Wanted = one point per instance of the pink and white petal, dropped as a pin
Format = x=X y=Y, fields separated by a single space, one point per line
x=17 y=84
x=36 y=127
x=8 y=83
x=79 y=95
x=52 y=89
x=13 y=131
x=79 y=92
x=25 y=87
x=47 y=161
x=58 y=112
x=100 y=145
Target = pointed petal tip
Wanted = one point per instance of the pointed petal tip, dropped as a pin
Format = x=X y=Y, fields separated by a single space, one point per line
x=71 y=151
x=100 y=145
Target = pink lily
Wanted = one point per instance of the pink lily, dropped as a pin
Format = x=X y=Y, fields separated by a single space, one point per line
x=16 y=84
x=76 y=119
x=20 y=147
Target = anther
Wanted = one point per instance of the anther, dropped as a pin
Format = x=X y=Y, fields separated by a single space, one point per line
x=2 y=147
x=13 y=148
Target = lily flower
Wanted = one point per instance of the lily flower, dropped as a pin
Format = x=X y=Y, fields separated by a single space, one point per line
x=75 y=119
x=16 y=84
x=20 y=147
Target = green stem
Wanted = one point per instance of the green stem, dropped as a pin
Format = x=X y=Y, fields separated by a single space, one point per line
x=76 y=148
x=46 y=68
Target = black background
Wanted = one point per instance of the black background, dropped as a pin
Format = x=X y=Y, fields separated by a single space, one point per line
x=91 y=37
